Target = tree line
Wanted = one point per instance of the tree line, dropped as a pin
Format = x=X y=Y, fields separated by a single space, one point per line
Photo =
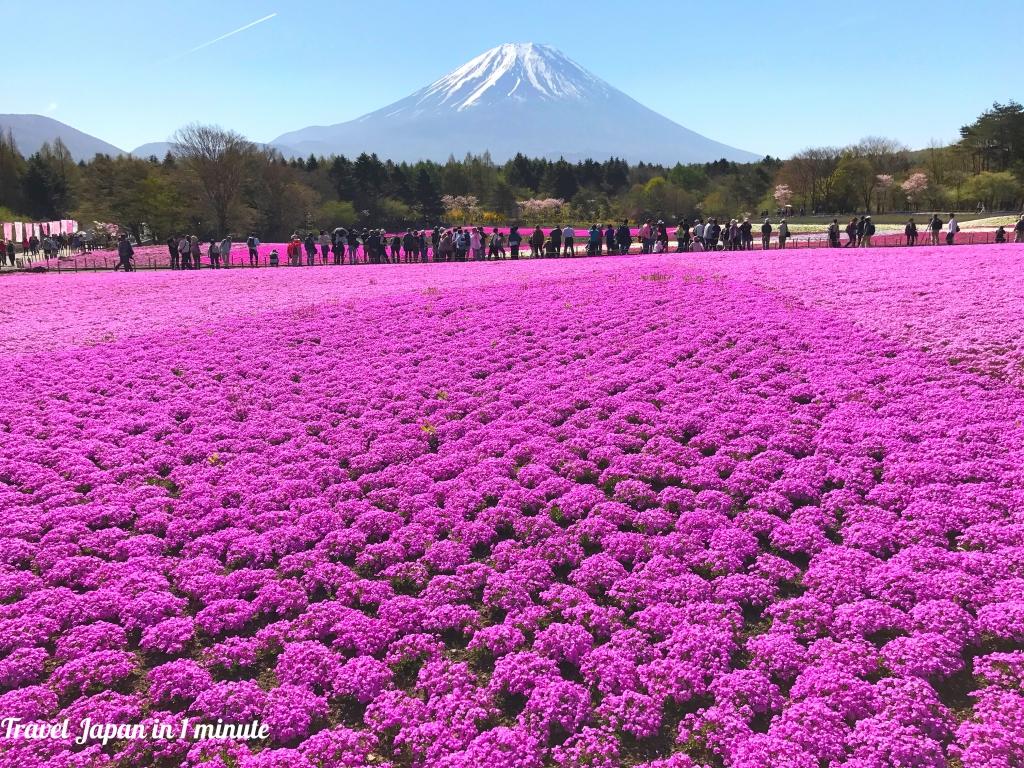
x=217 y=182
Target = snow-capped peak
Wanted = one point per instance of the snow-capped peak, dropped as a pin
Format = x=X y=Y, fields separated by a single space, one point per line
x=519 y=71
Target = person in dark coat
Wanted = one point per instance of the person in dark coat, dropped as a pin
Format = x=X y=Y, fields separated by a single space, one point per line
x=623 y=237
x=125 y=252
x=172 y=249
x=911 y=232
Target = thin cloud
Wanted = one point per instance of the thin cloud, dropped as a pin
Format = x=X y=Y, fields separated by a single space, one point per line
x=51 y=107
x=250 y=25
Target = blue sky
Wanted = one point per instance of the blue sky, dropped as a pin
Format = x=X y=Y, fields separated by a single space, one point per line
x=768 y=77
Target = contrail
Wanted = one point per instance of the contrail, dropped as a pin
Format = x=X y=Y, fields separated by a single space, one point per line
x=233 y=32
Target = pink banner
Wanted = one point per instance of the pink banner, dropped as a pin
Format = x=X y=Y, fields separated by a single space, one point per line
x=55 y=228
x=19 y=230
x=8 y=231
x=35 y=230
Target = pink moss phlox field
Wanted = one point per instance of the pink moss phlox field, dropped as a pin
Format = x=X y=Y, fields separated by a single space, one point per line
x=660 y=511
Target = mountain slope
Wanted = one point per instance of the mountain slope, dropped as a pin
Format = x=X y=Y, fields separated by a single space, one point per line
x=30 y=131
x=523 y=97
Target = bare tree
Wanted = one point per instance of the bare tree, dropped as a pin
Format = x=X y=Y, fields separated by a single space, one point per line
x=218 y=159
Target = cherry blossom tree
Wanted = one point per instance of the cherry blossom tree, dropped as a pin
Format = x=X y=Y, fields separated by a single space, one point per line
x=914 y=186
x=782 y=194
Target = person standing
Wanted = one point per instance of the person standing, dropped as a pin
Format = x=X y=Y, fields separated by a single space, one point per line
x=184 y=253
x=172 y=249
x=1018 y=230
x=609 y=239
x=196 y=251
x=783 y=233
x=556 y=241
x=623 y=237
x=934 y=227
x=833 y=234
x=860 y=230
x=869 y=232
x=594 y=240
x=514 y=241
x=225 y=251
x=698 y=232
x=711 y=233
x=682 y=237
x=568 y=241
x=646 y=237
x=310 y=245
x=911 y=232
x=952 y=227
x=536 y=242
x=214 y=251
x=325 y=247
x=747 y=234
x=476 y=244
x=253 y=244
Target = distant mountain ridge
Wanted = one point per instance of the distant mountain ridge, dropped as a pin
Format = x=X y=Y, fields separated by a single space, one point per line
x=517 y=97
x=32 y=131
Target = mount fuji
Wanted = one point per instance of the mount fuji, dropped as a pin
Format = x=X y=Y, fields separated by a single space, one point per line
x=517 y=97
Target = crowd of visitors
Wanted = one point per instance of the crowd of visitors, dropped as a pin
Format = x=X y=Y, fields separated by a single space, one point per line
x=475 y=243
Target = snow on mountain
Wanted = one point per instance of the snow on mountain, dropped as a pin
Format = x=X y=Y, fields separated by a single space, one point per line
x=517 y=97
x=513 y=71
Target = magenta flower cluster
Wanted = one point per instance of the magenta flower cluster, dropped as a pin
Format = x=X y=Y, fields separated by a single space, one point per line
x=620 y=512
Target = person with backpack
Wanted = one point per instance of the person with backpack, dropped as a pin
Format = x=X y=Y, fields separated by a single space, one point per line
x=1000 y=234
x=766 y=234
x=860 y=229
x=934 y=227
x=833 y=234
x=537 y=243
x=514 y=241
x=952 y=227
x=869 y=231
x=172 y=249
x=214 y=251
x=623 y=237
x=911 y=232
x=184 y=259
x=253 y=244
x=783 y=233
